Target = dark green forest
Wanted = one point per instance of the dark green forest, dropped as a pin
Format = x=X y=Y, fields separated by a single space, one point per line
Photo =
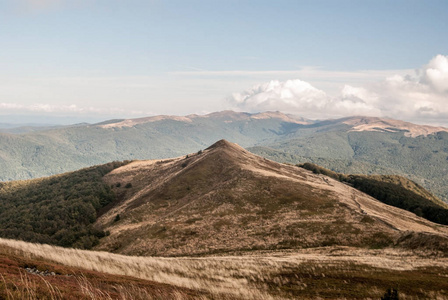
x=393 y=190
x=58 y=210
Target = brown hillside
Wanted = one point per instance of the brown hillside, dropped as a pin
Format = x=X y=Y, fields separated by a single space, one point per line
x=227 y=199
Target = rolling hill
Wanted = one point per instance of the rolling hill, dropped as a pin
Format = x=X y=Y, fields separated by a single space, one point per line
x=50 y=152
x=226 y=199
x=217 y=200
x=356 y=145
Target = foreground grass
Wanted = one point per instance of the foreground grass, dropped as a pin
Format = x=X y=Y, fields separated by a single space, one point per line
x=25 y=278
x=332 y=273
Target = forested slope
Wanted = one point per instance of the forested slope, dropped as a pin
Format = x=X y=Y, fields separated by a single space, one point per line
x=58 y=210
x=393 y=190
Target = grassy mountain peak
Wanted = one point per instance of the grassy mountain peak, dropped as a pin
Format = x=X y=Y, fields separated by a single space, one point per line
x=225 y=198
x=220 y=199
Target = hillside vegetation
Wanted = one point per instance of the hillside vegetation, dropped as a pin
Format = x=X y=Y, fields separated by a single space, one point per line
x=58 y=210
x=393 y=190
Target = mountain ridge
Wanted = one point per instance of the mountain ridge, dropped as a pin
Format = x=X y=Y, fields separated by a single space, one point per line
x=228 y=114
x=357 y=123
x=361 y=123
x=225 y=198
x=330 y=143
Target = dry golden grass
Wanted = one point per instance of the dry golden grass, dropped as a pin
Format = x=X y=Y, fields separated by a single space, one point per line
x=28 y=288
x=263 y=275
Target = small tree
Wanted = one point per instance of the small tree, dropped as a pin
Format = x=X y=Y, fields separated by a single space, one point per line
x=117 y=218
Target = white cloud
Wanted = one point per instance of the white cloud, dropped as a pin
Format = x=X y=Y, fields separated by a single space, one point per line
x=421 y=97
x=291 y=94
x=436 y=73
x=300 y=97
x=356 y=101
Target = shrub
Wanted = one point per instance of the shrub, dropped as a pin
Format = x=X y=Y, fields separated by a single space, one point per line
x=391 y=294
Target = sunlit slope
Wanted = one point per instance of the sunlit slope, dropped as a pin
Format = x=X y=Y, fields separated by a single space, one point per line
x=226 y=199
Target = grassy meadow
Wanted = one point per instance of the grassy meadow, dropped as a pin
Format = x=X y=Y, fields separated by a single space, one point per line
x=325 y=273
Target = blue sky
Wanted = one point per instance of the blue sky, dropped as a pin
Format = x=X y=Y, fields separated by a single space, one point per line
x=101 y=59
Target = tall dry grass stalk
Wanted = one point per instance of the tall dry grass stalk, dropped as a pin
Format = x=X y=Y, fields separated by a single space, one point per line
x=29 y=289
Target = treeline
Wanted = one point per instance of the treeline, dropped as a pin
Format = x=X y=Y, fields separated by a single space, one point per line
x=393 y=190
x=58 y=210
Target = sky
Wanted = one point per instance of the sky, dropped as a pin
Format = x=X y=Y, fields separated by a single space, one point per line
x=67 y=61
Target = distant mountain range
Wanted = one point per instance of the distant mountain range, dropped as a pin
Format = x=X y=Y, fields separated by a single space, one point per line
x=350 y=145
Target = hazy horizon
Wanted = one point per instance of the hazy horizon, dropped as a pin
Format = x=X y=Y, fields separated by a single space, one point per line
x=14 y=121
x=66 y=62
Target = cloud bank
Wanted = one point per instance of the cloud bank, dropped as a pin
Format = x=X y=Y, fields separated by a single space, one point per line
x=421 y=97
x=8 y=107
